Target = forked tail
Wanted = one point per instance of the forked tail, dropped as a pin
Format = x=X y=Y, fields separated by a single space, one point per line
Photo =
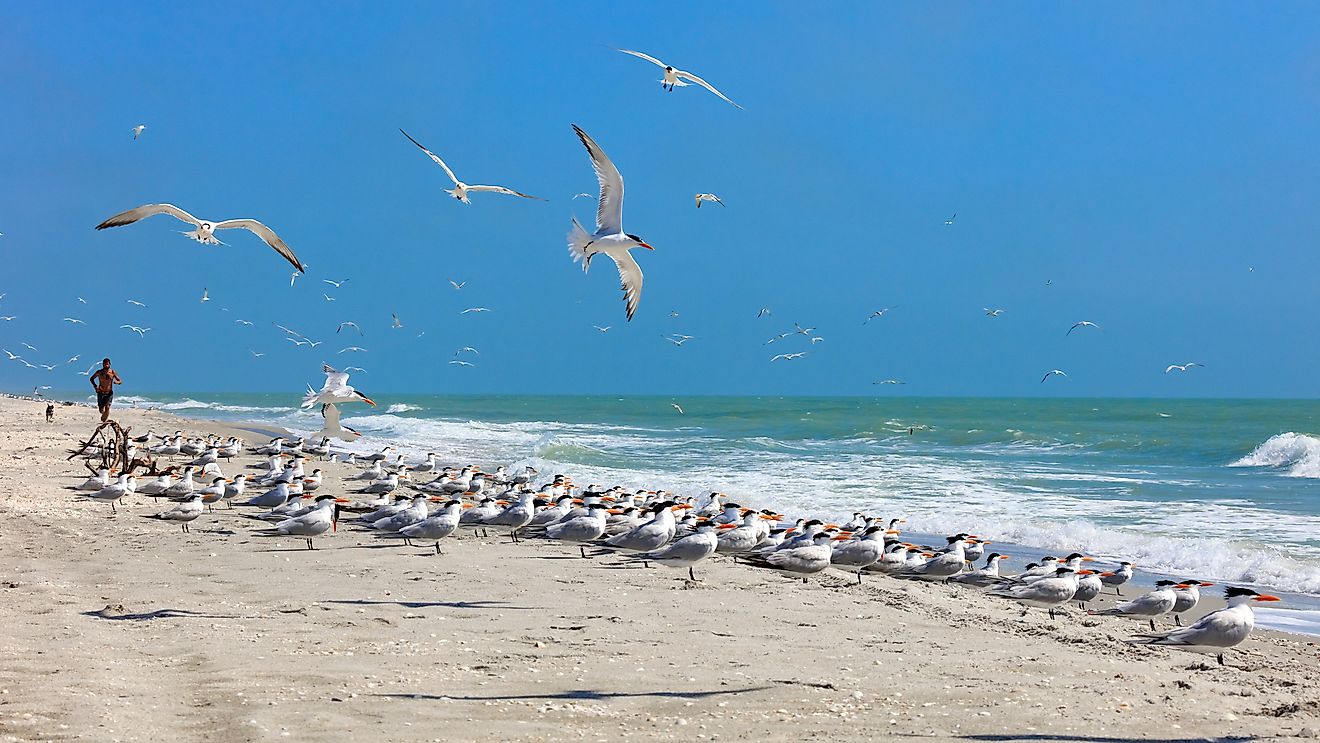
x=578 y=240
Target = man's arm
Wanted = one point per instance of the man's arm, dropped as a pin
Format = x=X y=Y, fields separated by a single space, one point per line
x=92 y=379
x=115 y=376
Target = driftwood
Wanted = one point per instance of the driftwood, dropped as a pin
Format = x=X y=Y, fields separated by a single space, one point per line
x=111 y=442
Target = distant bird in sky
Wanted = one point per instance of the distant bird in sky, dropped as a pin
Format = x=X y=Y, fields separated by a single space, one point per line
x=816 y=339
x=395 y=322
x=461 y=189
x=779 y=337
x=350 y=324
x=678 y=340
x=1182 y=367
x=355 y=369
x=255 y=355
x=12 y=356
x=890 y=381
x=30 y=347
x=328 y=298
x=467 y=349
x=951 y=219
x=305 y=342
x=74 y=321
x=8 y=318
x=457 y=284
x=677 y=407
x=293 y=278
x=73 y=359
x=137 y=131
x=993 y=313
x=475 y=309
x=90 y=369
x=205 y=232
x=877 y=313
x=459 y=362
x=206 y=295
x=353 y=349
x=605 y=329
x=1054 y=372
x=581 y=195
x=673 y=313
x=609 y=237
x=136 y=303
x=1049 y=282
x=47 y=367
x=708 y=197
x=675 y=77
x=803 y=331
x=242 y=322
x=142 y=332
x=335 y=284
x=764 y=312
x=80 y=299
x=788 y=356
x=1082 y=324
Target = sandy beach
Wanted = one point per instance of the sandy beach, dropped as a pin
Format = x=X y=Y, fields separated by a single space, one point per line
x=122 y=628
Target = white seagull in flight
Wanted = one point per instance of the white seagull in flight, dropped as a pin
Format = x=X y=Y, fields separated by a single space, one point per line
x=457 y=362
x=206 y=295
x=457 y=284
x=605 y=329
x=137 y=131
x=353 y=349
x=877 y=313
x=789 y=356
x=205 y=232
x=335 y=284
x=461 y=189
x=951 y=219
x=992 y=313
x=350 y=324
x=609 y=237
x=675 y=77
x=708 y=197
x=136 y=303
x=677 y=407
x=142 y=332
x=74 y=321
x=475 y=309
x=395 y=322
x=1082 y=324
x=1182 y=367
x=335 y=390
x=1053 y=372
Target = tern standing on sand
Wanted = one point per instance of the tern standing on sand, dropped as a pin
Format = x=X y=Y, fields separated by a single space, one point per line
x=609 y=237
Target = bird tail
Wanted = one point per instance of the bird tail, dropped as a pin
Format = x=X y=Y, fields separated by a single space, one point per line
x=309 y=398
x=578 y=240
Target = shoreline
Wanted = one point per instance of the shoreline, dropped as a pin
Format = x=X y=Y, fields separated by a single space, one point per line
x=220 y=634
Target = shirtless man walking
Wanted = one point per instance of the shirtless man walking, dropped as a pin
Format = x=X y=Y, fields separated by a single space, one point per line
x=104 y=381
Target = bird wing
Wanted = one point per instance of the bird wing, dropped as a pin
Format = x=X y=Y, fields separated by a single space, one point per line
x=707 y=86
x=646 y=57
x=331 y=415
x=148 y=210
x=266 y=234
x=609 y=211
x=434 y=157
x=630 y=279
x=334 y=379
x=503 y=190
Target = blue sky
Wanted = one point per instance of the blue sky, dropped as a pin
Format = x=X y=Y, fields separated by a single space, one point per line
x=1142 y=160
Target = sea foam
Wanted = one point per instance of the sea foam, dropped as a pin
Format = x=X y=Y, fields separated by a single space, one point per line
x=1297 y=454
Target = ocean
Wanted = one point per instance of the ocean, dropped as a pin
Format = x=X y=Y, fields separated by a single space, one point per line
x=1219 y=490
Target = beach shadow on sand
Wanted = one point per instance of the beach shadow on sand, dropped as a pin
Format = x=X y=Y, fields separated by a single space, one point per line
x=117 y=613
x=1048 y=738
x=424 y=604
x=589 y=695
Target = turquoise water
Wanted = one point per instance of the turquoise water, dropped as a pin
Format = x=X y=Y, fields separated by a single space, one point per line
x=1219 y=490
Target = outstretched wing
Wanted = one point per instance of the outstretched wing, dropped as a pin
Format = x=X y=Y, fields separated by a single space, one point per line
x=609 y=211
x=630 y=279
x=707 y=86
x=148 y=210
x=334 y=378
x=266 y=234
x=434 y=157
x=503 y=190
x=646 y=57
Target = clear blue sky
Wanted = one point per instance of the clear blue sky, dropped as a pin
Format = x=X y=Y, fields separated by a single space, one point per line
x=1141 y=158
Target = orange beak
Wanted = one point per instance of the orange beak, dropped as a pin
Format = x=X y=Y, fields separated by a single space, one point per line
x=841 y=537
x=1266 y=597
x=469 y=505
x=644 y=245
x=1086 y=572
x=369 y=401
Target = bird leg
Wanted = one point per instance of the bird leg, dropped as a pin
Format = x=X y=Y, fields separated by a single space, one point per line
x=691 y=575
x=1051 y=613
x=1152 y=625
x=1221 y=659
x=437 y=548
x=309 y=543
x=859 y=577
x=583 y=550
x=1177 y=619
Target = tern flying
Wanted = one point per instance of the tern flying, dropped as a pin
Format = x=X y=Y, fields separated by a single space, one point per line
x=993 y=313
x=328 y=298
x=467 y=349
x=137 y=131
x=678 y=340
x=335 y=390
x=1182 y=367
x=136 y=303
x=1082 y=324
x=353 y=349
x=461 y=189
x=475 y=309
x=950 y=219
x=206 y=295
x=609 y=237
x=7 y=318
x=242 y=322
x=462 y=363
x=789 y=356
x=877 y=313
x=605 y=329
x=764 y=311
x=350 y=324
x=457 y=284
x=890 y=381
x=205 y=232
x=142 y=332
x=394 y=321
x=675 y=78
x=677 y=407
x=74 y=321
x=1053 y=372
x=255 y=355
x=708 y=197
x=335 y=284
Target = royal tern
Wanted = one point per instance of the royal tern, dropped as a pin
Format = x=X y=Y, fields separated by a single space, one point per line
x=1217 y=631
x=1082 y=324
x=675 y=78
x=708 y=197
x=1181 y=367
x=331 y=428
x=516 y=515
x=335 y=390
x=414 y=513
x=581 y=529
x=437 y=526
x=856 y=555
x=142 y=332
x=609 y=237
x=335 y=284
x=986 y=576
x=460 y=190
x=944 y=565
x=605 y=329
x=1148 y=605
x=874 y=315
x=950 y=220
x=1049 y=592
x=788 y=356
x=350 y=324
x=327 y=297
x=137 y=131
x=1117 y=578
x=114 y=491
x=688 y=551
x=96 y=482
x=993 y=313
x=74 y=321
x=804 y=561
x=475 y=309
x=1188 y=596
x=1053 y=372
x=184 y=513
x=205 y=232
x=323 y=518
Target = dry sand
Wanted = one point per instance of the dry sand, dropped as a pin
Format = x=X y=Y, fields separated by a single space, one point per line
x=124 y=628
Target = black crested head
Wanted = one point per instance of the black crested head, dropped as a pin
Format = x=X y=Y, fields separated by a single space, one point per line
x=1075 y=556
x=814 y=522
x=1166 y=583
x=1234 y=592
x=991 y=557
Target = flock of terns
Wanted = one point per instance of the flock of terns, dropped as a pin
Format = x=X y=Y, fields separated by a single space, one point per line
x=393 y=503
